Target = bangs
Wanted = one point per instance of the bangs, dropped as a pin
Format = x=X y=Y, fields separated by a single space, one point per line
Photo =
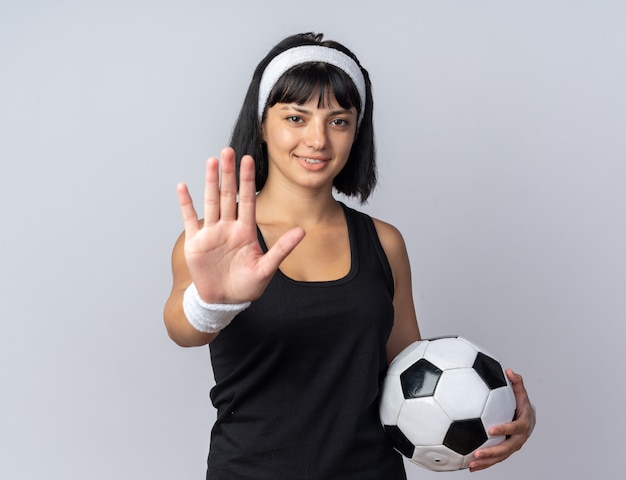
x=302 y=82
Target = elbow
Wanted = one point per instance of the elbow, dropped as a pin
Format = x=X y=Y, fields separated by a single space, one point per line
x=172 y=326
x=181 y=332
x=176 y=337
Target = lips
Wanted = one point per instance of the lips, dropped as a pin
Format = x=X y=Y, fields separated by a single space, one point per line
x=312 y=161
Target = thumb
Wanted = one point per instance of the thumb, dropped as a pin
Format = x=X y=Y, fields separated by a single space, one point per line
x=283 y=247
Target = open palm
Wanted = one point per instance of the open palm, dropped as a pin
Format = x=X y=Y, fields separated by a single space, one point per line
x=223 y=254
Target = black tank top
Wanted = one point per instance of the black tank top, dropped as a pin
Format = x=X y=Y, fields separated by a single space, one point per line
x=298 y=376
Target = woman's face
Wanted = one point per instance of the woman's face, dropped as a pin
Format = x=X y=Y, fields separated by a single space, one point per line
x=308 y=144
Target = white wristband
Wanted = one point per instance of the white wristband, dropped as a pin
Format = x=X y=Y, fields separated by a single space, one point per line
x=209 y=317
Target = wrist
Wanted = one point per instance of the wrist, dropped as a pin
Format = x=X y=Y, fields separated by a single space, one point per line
x=209 y=317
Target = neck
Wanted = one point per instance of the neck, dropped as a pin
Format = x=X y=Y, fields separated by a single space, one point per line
x=293 y=208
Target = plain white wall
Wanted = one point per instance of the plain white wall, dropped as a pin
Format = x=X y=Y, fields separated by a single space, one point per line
x=500 y=130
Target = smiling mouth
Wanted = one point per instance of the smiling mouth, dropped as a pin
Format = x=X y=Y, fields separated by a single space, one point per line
x=312 y=161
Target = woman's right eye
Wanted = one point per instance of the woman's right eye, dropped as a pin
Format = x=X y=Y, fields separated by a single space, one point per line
x=294 y=119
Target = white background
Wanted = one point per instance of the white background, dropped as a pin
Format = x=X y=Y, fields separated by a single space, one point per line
x=501 y=140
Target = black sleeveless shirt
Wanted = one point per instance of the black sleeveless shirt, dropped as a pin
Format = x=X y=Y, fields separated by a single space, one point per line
x=298 y=376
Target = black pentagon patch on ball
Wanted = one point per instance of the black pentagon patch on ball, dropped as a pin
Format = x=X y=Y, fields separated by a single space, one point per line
x=420 y=379
x=465 y=436
x=399 y=441
x=490 y=371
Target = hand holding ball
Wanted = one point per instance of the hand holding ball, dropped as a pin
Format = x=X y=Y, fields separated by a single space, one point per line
x=440 y=397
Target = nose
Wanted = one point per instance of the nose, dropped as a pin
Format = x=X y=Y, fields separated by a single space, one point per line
x=316 y=135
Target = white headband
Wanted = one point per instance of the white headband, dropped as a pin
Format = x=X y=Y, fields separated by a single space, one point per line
x=307 y=54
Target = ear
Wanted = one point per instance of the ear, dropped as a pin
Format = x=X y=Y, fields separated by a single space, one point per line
x=263 y=133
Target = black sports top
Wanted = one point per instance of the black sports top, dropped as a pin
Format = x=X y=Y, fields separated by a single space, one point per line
x=298 y=376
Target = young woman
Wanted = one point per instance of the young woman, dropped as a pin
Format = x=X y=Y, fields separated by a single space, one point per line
x=302 y=300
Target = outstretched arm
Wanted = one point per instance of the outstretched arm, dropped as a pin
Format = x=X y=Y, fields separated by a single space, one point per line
x=221 y=255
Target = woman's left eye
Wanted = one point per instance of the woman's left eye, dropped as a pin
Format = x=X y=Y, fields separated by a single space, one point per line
x=340 y=122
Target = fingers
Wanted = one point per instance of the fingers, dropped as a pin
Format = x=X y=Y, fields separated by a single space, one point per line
x=490 y=456
x=190 y=217
x=220 y=201
x=487 y=457
x=211 y=192
x=220 y=195
x=517 y=382
x=525 y=411
x=247 y=190
x=518 y=431
x=523 y=422
x=228 y=186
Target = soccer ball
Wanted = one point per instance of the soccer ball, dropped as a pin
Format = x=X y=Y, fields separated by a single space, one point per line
x=439 y=399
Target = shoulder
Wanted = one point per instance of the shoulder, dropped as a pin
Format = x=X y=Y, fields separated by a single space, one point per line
x=395 y=249
x=390 y=238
